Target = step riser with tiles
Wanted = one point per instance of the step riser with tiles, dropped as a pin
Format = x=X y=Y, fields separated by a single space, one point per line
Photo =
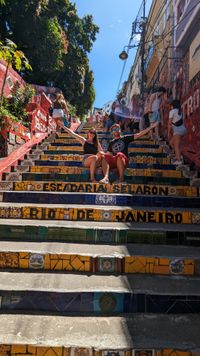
x=74 y=187
x=76 y=263
x=97 y=199
x=96 y=303
x=40 y=233
x=85 y=177
x=101 y=214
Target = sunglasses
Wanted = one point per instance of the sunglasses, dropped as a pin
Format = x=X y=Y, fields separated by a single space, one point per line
x=116 y=129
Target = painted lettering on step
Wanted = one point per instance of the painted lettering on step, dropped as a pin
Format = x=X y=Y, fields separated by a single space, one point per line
x=85 y=215
x=151 y=217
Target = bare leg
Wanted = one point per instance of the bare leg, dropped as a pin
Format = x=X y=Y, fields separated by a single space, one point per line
x=121 y=168
x=105 y=168
x=90 y=163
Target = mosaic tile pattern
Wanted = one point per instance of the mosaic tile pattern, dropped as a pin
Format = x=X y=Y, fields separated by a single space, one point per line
x=76 y=157
x=80 y=263
x=114 y=236
x=79 y=170
x=90 y=214
x=100 y=303
x=79 y=148
x=29 y=350
x=140 y=189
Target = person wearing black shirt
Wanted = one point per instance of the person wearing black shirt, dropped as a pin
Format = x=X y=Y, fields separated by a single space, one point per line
x=117 y=153
x=93 y=156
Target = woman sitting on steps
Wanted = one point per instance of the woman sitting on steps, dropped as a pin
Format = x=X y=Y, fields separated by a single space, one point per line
x=93 y=156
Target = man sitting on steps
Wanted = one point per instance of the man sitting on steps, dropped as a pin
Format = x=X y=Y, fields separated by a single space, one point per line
x=117 y=153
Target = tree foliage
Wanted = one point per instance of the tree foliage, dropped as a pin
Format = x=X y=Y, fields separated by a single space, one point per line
x=56 y=41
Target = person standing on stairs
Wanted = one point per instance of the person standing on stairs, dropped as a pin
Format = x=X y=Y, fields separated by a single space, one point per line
x=60 y=109
x=176 y=125
x=117 y=153
x=93 y=155
x=154 y=110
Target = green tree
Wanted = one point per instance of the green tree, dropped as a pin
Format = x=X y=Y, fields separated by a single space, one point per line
x=56 y=41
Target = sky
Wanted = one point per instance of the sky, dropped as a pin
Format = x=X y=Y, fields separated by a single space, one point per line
x=114 y=17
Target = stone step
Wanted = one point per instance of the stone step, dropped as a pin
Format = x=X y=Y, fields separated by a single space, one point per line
x=99 y=213
x=85 y=177
x=81 y=170
x=96 y=233
x=98 y=188
x=106 y=259
x=136 y=334
x=100 y=199
x=81 y=294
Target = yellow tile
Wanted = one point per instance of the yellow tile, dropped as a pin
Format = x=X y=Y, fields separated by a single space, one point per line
x=170 y=352
x=56 y=265
x=67 y=266
x=164 y=261
x=24 y=263
x=18 y=349
x=161 y=270
x=32 y=349
x=49 y=351
x=76 y=263
x=47 y=262
x=135 y=264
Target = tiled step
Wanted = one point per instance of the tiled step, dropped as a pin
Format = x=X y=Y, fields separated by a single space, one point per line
x=97 y=188
x=96 y=233
x=85 y=177
x=82 y=170
x=100 y=199
x=79 y=294
x=106 y=259
x=136 y=334
x=131 y=145
x=139 y=158
x=67 y=139
x=80 y=164
x=77 y=149
x=99 y=213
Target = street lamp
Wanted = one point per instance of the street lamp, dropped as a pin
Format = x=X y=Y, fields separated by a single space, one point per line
x=124 y=54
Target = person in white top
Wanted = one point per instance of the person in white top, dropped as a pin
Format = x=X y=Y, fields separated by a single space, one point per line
x=176 y=125
x=154 y=109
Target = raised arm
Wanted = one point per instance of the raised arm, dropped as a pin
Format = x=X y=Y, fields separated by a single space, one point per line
x=144 y=132
x=73 y=134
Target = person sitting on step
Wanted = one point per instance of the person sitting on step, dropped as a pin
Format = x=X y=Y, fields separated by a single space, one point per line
x=117 y=153
x=93 y=155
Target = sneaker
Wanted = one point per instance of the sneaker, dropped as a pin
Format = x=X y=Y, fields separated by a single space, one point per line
x=104 y=181
x=177 y=162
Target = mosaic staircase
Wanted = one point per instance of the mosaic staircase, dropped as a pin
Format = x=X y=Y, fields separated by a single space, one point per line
x=94 y=269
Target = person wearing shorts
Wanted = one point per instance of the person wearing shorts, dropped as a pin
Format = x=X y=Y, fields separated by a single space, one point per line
x=176 y=125
x=93 y=156
x=117 y=153
x=154 y=109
